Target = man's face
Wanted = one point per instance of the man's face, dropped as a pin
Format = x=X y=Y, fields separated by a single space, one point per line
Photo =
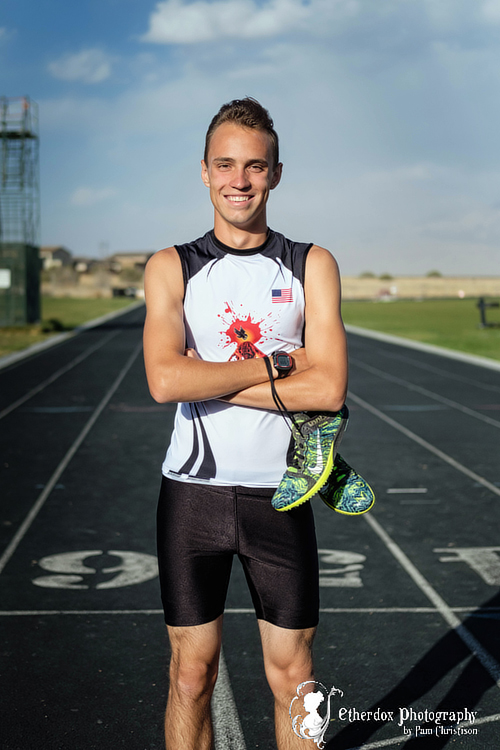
x=240 y=173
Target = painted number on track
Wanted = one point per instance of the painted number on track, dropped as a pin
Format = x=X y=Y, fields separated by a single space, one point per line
x=72 y=572
x=483 y=560
x=346 y=572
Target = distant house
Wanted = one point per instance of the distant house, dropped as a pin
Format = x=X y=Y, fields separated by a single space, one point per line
x=135 y=259
x=54 y=256
x=84 y=264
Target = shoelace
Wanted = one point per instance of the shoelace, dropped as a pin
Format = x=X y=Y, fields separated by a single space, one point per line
x=300 y=449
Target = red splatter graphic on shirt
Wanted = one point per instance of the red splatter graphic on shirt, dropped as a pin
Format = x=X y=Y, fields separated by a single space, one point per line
x=246 y=333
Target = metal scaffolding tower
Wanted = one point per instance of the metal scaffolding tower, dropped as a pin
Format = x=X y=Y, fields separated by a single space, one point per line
x=19 y=212
x=19 y=192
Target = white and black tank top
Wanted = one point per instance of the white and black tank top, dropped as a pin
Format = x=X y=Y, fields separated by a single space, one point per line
x=237 y=305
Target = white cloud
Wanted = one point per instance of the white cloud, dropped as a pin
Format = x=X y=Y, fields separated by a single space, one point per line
x=84 y=196
x=87 y=66
x=386 y=114
x=491 y=11
x=178 y=22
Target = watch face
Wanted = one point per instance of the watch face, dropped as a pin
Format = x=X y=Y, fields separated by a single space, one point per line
x=283 y=360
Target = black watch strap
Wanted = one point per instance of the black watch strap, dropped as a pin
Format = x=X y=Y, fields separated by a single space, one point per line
x=283 y=363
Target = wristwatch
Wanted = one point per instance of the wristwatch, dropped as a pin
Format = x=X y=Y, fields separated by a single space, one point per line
x=283 y=363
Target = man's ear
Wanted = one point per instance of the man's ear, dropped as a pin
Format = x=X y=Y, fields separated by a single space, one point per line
x=204 y=174
x=275 y=179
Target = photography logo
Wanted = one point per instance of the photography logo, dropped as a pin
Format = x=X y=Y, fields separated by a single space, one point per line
x=307 y=722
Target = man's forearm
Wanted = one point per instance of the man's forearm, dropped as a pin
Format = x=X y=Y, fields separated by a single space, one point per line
x=184 y=378
x=310 y=390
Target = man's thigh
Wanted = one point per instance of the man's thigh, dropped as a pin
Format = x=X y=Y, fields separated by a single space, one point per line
x=196 y=544
x=279 y=555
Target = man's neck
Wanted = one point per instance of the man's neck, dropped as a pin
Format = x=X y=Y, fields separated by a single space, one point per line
x=240 y=239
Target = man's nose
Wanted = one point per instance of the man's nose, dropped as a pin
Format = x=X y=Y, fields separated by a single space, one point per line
x=240 y=179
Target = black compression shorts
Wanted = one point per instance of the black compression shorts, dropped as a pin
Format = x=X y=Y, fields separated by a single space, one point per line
x=201 y=527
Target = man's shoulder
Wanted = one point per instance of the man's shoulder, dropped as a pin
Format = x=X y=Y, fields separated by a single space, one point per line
x=164 y=258
x=317 y=251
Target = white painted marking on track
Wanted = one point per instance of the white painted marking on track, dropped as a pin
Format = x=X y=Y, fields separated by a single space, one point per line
x=249 y=611
x=57 y=409
x=425 y=444
x=4 y=559
x=483 y=656
x=344 y=576
x=407 y=490
x=425 y=392
x=483 y=560
x=62 y=371
x=431 y=348
x=413 y=407
x=228 y=734
x=73 y=573
x=439 y=371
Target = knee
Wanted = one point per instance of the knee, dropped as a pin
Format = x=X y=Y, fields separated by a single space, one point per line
x=193 y=680
x=285 y=676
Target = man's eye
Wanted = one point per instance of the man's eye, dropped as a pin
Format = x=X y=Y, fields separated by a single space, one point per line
x=257 y=168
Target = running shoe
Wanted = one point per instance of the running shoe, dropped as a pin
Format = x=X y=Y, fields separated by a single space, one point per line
x=315 y=438
x=346 y=491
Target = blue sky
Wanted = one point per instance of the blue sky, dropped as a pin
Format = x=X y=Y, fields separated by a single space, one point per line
x=388 y=113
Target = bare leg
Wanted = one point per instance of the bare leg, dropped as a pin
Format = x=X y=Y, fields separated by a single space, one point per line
x=288 y=662
x=193 y=672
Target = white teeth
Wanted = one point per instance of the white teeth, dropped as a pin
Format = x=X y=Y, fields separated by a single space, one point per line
x=237 y=198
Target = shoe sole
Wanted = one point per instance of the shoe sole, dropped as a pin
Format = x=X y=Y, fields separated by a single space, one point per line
x=370 y=499
x=352 y=512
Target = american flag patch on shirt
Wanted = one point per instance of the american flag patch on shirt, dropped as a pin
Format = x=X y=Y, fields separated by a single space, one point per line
x=281 y=295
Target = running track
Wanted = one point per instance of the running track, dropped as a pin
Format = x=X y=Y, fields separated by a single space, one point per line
x=410 y=607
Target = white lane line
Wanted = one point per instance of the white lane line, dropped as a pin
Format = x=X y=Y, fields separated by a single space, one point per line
x=428 y=446
x=17 y=358
x=4 y=559
x=406 y=737
x=471 y=359
x=57 y=374
x=429 y=394
x=488 y=662
x=439 y=371
x=247 y=611
x=407 y=490
x=228 y=734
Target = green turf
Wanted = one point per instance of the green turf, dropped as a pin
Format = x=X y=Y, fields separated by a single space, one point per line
x=451 y=323
x=58 y=314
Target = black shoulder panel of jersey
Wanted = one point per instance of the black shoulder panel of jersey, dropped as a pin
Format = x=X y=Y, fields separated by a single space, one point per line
x=195 y=255
x=293 y=255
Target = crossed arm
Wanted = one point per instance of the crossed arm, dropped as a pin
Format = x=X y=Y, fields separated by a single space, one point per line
x=318 y=381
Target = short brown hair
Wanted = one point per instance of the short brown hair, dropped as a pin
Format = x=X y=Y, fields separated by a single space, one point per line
x=248 y=113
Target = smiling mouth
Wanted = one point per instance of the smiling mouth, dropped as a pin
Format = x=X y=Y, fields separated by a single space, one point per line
x=238 y=198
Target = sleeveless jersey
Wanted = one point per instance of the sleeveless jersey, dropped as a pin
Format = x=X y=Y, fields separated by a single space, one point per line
x=237 y=305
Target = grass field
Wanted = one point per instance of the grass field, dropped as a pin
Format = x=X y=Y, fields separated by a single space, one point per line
x=58 y=314
x=451 y=323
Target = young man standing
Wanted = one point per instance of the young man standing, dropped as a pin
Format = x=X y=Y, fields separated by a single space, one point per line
x=218 y=309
